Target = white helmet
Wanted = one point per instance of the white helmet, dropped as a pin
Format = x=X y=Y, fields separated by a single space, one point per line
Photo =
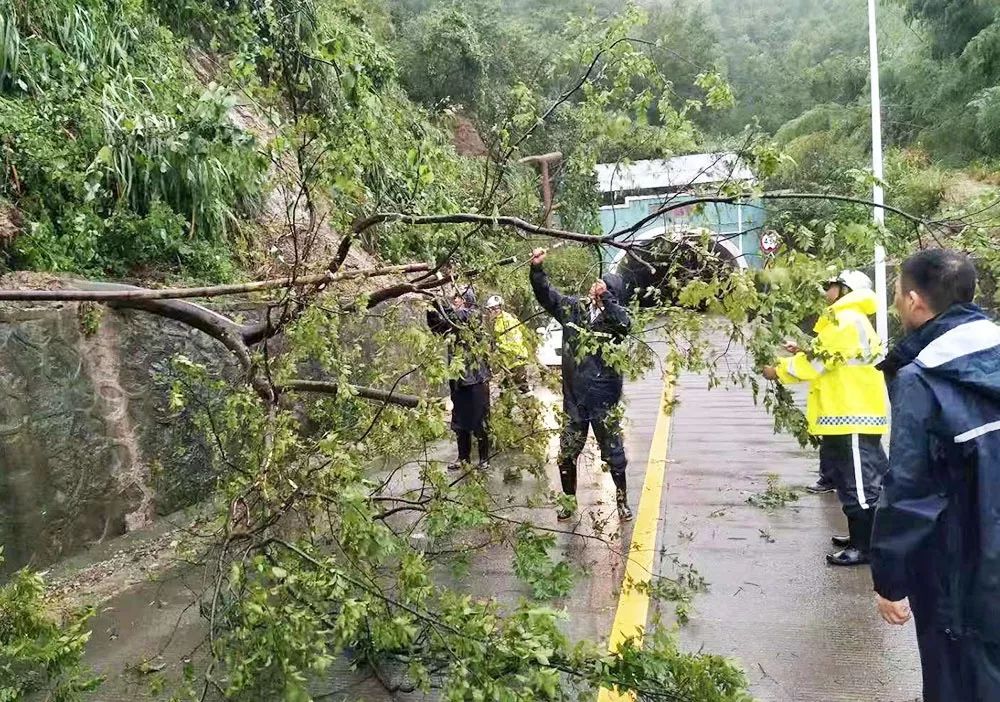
x=855 y=280
x=494 y=302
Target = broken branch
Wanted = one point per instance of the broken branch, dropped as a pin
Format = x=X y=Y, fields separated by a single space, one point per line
x=328 y=388
x=131 y=293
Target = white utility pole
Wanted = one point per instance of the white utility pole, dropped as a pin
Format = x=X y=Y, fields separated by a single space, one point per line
x=878 y=196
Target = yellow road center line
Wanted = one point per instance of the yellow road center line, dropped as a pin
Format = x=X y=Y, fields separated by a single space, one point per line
x=633 y=604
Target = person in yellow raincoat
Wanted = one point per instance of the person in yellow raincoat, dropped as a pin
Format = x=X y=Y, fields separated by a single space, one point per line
x=847 y=405
x=508 y=331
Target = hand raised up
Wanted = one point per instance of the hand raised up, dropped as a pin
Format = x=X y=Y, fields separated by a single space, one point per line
x=597 y=290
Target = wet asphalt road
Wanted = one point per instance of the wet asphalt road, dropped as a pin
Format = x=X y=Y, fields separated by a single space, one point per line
x=803 y=631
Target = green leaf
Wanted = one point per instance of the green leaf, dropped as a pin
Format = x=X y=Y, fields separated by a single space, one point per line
x=105 y=155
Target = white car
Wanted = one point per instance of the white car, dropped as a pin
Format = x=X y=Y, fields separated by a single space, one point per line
x=550 y=346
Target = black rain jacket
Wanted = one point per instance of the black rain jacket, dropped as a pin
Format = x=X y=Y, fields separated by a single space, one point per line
x=591 y=387
x=445 y=320
x=937 y=526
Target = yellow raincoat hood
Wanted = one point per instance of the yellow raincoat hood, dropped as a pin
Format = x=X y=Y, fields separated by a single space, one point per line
x=863 y=301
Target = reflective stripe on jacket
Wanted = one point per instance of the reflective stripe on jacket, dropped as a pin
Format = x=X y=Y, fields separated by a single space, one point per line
x=936 y=538
x=509 y=333
x=846 y=393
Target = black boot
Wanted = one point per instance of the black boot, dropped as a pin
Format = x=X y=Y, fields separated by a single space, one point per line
x=840 y=541
x=621 y=492
x=621 y=499
x=567 y=476
x=483 y=444
x=861 y=534
x=860 y=528
x=464 y=439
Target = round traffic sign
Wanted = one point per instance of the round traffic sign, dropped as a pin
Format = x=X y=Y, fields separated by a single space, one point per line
x=770 y=241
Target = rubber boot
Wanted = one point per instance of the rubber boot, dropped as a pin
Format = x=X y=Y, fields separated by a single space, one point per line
x=621 y=500
x=864 y=524
x=483 y=443
x=859 y=526
x=567 y=476
x=464 y=439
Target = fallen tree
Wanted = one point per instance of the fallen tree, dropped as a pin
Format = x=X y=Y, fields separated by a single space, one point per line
x=313 y=553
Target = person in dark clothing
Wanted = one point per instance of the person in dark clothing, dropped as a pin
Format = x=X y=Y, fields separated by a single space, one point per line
x=936 y=541
x=470 y=393
x=591 y=387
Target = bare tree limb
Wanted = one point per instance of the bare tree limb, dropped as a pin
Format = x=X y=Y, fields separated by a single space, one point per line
x=127 y=292
x=571 y=91
x=473 y=218
x=329 y=388
x=232 y=336
x=394 y=291
x=87 y=292
x=733 y=199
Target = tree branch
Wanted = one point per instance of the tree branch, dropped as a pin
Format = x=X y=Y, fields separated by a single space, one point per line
x=473 y=218
x=571 y=91
x=88 y=293
x=329 y=388
x=733 y=199
x=394 y=291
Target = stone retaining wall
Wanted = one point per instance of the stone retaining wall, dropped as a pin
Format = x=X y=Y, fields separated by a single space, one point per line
x=88 y=448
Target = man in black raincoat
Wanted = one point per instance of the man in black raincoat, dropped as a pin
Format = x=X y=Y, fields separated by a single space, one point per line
x=470 y=393
x=591 y=387
x=936 y=540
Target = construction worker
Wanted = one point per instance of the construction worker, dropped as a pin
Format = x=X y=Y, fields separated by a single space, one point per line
x=592 y=388
x=846 y=406
x=936 y=544
x=470 y=393
x=508 y=331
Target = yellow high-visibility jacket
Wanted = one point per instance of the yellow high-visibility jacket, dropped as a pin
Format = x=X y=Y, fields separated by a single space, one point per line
x=846 y=392
x=509 y=333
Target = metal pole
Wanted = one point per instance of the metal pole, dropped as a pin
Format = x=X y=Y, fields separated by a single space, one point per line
x=878 y=196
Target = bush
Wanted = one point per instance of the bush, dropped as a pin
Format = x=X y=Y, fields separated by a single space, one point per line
x=37 y=653
x=116 y=156
x=913 y=184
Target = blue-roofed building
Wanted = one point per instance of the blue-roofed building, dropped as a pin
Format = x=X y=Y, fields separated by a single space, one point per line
x=633 y=191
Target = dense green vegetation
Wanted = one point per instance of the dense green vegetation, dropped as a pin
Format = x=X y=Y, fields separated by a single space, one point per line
x=132 y=145
x=798 y=72
x=39 y=655
x=205 y=140
x=233 y=138
x=116 y=157
x=145 y=139
x=126 y=151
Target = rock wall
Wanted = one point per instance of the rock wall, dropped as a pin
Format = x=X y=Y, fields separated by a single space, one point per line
x=88 y=448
